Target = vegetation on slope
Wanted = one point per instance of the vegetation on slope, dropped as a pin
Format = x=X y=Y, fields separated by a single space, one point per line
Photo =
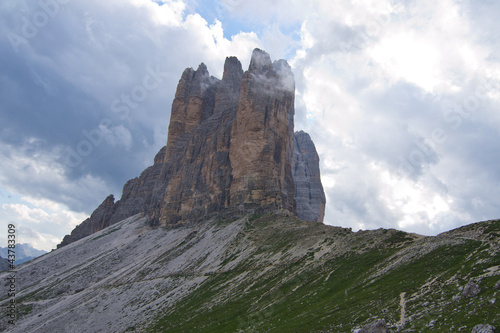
x=344 y=281
x=262 y=273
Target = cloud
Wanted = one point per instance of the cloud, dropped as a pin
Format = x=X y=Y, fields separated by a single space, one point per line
x=32 y=170
x=407 y=95
x=401 y=99
x=93 y=87
x=39 y=222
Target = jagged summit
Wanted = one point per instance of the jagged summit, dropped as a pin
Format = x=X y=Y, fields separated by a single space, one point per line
x=260 y=62
x=230 y=150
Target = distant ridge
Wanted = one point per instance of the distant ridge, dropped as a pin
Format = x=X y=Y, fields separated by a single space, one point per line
x=24 y=252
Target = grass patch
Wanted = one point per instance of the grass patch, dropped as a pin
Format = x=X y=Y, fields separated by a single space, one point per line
x=254 y=217
x=336 y=295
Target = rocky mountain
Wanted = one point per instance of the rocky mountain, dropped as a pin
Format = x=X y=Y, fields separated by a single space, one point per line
x=262 y=273
x=222 y=234
x=24 y=252
x=4 y=264
x=309 y=193
x=230 y=150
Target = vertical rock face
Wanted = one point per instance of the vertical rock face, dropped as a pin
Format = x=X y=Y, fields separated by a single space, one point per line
x=230 y=142
x=198 y=155
x=262 y=136
x=309 y=192
x=230 y=149
x=193 y=103
x=138 y=193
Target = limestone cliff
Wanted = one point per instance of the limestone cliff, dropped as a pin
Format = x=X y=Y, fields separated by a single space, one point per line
x=230 y=150
x=135 y=194
x=309 y=193
x=198 y=148
x=262 y=136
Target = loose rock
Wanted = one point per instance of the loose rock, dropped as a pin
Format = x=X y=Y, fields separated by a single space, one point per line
x=471 y=290
x=483 y=329
x=378 y=326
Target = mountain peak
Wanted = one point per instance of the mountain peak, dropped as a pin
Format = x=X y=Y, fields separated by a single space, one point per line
x=260 y=61
x=229 y=151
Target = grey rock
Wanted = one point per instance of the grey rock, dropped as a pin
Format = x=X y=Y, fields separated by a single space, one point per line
x=4 y=264
x=309 y=194
x=63 y=290
x=483 y=329
x=99 y=220
x=78 y=290
x=471 y=290
x=378 y=326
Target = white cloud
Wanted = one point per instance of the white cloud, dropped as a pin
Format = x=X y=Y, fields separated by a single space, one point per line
x=41 y=223
x=374 y=80
x=371 y=83
x=167 y=12
x=117 y=136
x=34 y=172
x=408 y=57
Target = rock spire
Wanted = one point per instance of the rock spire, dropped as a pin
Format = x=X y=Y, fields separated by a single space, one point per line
x=230 y=150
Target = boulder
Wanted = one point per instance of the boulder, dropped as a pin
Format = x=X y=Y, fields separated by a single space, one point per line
x=378 y=326
x=471 y=290
x=483 y=329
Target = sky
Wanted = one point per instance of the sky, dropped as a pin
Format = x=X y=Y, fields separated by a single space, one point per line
x=401 y=98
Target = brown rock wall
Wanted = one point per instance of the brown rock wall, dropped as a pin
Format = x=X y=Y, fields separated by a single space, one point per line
x=262 y=137
x=201 y=172
x=230 y=149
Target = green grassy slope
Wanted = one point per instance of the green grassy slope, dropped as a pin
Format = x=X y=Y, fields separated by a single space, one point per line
x=343 y=280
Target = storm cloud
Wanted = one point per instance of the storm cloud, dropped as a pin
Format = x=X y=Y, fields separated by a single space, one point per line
x=401 y=99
